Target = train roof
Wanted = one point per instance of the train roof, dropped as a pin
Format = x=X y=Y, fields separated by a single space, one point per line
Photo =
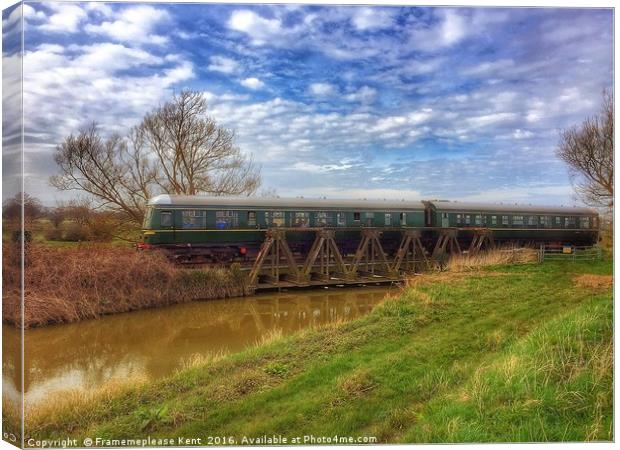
x=283 y=203
x=508 y=207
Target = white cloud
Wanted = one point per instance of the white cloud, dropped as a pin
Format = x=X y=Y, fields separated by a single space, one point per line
x=453 y=28
x=372 y=18
x=259 y=28
x=252 y=83
x=365 y=94
x=65 y=18
x=322 y=89
x=223 y=64
x=522 y=134
x=135 y=24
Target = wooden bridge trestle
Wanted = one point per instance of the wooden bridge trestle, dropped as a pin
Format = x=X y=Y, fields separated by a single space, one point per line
x=483 y=238
x=411 y=255
x=324 y=264
x=446 y=244
x=369 y=254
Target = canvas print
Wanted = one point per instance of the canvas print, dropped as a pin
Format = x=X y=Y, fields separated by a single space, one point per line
x=298 y=224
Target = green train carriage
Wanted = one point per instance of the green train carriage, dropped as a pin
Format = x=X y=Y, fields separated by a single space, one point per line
x=225 y=228
x=517 y=223
x=221 y=228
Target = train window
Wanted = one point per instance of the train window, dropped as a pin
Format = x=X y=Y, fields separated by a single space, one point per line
x=166 y=218
x=467 y=219
x=225 y=219
x=388 y=219
x=569 y=222
x=594 y=222
x=504 y=220
x=342 y=219
x=193 y=219
x=531 y=221
x=517 y=220
x=356 y=216
x=478 y=219
x=301 y=219
x=544 y=221
x=251 y=218
x=278 y=218
x=403 y=218
x=493 y=220
x=459 y=219
x=369 y=219
x=558 y=221
x=322 y=219
x=584 y=222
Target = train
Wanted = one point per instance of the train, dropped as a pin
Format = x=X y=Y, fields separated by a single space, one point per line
x=205 y=229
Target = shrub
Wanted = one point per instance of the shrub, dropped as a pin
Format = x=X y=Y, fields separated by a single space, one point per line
x=90 y=280
x=75 y=232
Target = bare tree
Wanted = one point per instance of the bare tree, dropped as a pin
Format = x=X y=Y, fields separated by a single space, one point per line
x=12 y=208
x=176 y=149
x=588 y=150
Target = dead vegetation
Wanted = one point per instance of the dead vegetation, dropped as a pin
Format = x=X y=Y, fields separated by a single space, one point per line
x=465 y=262
x=85 y=282
x=594 y=282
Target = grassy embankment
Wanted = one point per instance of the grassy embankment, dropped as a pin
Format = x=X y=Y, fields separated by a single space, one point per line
x=90 y=280
x=512 y=353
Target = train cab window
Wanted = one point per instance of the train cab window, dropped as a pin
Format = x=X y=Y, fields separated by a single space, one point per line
x=369 y=219
x=467 y=219
x=251 y=218
x=584 y=222
x=517 y=220
x=493 y=220
x=388 y=220
x=505 y=220
x=226 y=219
x=301 y=219
x=193 y=219
x=357 y=216
x=166 y=218
x=403 y=218
x=341 y=219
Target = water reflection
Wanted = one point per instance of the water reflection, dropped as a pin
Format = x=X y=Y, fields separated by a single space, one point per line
x=154 y=343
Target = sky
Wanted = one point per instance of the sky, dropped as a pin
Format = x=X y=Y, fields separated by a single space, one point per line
x=342 y=102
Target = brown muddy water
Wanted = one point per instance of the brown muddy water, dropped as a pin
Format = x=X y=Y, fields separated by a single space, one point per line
x=154 y=343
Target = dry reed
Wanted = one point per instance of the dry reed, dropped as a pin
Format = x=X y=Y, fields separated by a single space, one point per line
x=85 y=282
x=464 y=262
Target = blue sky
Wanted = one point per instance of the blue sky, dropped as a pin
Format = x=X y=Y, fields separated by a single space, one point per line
x=359 y=102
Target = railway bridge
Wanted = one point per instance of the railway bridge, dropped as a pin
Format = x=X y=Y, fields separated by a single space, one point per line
x=329 y=262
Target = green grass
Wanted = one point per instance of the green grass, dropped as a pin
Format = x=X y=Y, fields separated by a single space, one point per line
x=517 y=353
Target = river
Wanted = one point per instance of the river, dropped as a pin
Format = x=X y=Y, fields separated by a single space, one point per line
x=154 y=343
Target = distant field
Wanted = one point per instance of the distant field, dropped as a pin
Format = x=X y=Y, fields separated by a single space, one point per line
x=510 y=353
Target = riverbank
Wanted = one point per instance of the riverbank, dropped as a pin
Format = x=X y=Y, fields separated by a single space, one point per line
x=87 y=281
x=512 y=353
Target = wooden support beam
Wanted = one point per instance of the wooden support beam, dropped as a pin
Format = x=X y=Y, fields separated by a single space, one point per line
x=483 y=238
x=410 y=255
x=370 y=257
x=273 y=251
x=447 y=244
x=330 y=261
